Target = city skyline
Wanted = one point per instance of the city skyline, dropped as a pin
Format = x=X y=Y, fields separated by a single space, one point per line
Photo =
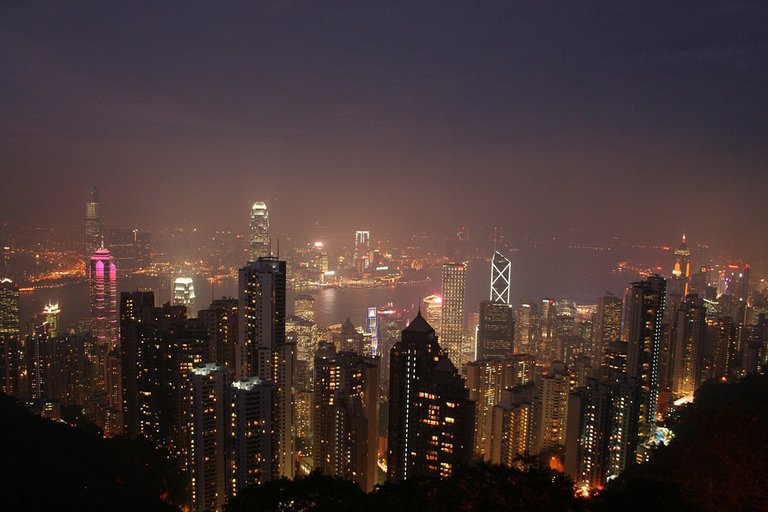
x=384 y=254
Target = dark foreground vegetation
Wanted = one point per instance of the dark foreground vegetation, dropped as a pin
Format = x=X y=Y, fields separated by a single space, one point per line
x=717 y=462
x=51 y=466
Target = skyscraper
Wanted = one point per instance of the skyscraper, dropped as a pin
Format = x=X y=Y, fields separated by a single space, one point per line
x=725 y=347
x=600 y=432
x=103 y=289
x=433 y=311
x=104 y=327
x=362 y=256
x=221 y=320
x=525 y=333
x=430 y=415
x=263 y=350
x=550 y=409
x=209 y=416
x=92 y=222
x=496 y=330
x=259 y=243
x=486 y=380
x=346 y=415
x=607 y=327
x=250 y=433
x=304 y=307
x=689 y=332
x=51 y=314
x=184 y=294
x=159 y=347
x=678 y=284
x=501 y=279
x=682 y=265
x=646 y=301
x=452 y=328
x=9 y=336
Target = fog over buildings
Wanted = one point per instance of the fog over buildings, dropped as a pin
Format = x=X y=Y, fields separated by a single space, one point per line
x=384 y=241
x=610 y=120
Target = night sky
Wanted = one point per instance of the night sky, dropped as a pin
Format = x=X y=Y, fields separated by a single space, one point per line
x=635 y=119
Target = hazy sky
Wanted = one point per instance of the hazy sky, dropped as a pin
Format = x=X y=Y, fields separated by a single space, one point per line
x=629 y=117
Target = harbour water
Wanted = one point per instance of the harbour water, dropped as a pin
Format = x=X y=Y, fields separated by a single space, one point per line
x=582 y=275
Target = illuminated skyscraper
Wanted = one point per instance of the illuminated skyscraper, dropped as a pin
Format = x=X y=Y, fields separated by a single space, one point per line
x=496 y=330
x=645 y=304
x=452 y=325
x=304 y=307
x=689 y=335
x=362 y=256
x=263 y=350
x=678 y=286
x=430 y=416
x=250 y=432
x=209 y=418
x=432 y=306
x=51 y=314
x=372 y=330
x=607 y=328
x=486 y=380
x=512 y=427
x=92 y=222
x=682 y=266
x=550 y=409
x=259 y=242
x=525 y=332
x=103 y=288
x=725 y=347
x=184 y=294
x=346 y=415
x=600 y=432
x=104 y=327
x=159 y=348
x=221 y=321
x=501 y=279
x=9 y=336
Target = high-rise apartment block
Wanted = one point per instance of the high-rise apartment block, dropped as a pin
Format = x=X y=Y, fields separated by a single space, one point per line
x=264 y=352
x=607 y=325
x=346 y=415
x=10 y=331
x=645 y=304
x=430 y=415
x=209 y=417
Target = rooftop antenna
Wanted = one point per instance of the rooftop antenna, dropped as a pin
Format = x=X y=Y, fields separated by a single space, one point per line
x=278 y=247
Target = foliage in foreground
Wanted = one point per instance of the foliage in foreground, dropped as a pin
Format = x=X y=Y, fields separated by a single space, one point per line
x=478 y=488
x=52 y=466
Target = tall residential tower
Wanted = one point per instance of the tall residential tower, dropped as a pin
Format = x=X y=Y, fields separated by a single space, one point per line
x=263 y=351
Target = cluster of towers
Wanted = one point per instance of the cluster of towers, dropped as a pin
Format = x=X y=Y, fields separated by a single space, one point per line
x=244 y=393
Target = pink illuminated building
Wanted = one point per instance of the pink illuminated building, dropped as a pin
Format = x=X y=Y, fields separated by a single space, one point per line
x=102 y=273
x=103 y=280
